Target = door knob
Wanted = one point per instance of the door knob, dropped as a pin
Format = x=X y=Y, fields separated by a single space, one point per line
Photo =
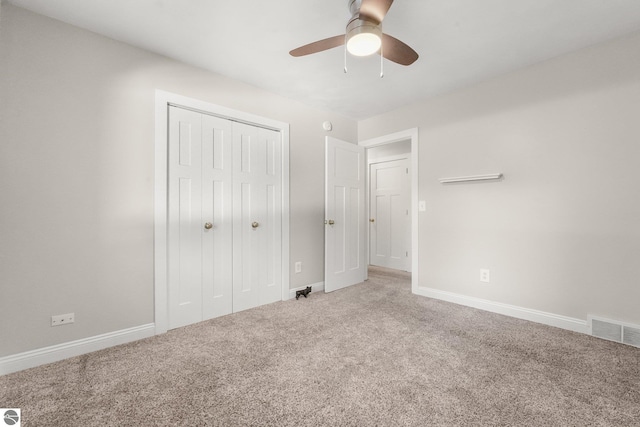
x=208 y=225
x=372 y=220
x=255 y=224
x=331 y=222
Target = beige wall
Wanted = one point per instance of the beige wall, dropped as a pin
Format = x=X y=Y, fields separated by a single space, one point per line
x=76 y=176
x=561 y=233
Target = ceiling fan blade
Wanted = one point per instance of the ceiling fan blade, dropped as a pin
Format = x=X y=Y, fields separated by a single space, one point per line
x=397 y=51
x=375 y=9
x=318 y=46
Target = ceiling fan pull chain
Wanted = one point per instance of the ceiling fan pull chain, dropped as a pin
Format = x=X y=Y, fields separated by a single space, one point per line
x=345 y=54
x=381 y=61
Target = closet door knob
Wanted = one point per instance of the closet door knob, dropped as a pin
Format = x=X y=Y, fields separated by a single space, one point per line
x=255 y=224
x=208 y=225
x=331 y=222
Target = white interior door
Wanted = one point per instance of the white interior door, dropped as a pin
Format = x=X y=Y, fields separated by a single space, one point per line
x=257 y=250
x=199 y=217
x=185 y=217
x=345 y=214
x=390 y=225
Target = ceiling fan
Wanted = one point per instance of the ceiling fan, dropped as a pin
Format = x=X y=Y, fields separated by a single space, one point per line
x=364 y=35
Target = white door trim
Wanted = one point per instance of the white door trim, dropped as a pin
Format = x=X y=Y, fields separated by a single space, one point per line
x=412 y=135
x=162 y=101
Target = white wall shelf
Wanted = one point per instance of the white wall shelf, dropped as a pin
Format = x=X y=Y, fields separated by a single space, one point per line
x=489 y=177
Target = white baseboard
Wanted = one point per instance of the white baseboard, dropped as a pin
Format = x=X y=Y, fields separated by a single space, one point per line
x=537 y=316
x=54 y=353
x=315 y=287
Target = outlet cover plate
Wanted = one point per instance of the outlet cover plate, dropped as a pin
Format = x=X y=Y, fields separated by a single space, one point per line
x=485 y=275
x=62 y=319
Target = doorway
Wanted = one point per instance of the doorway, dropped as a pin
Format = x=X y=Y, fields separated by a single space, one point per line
x=402 y=144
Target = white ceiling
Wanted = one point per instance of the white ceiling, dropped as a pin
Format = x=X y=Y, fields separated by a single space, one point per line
x=460 y=42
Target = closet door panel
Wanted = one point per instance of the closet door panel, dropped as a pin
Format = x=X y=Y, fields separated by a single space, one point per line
x=246 y=244
x=272 y=189
x=217 y=210
x=257 y=241
x=184 y=218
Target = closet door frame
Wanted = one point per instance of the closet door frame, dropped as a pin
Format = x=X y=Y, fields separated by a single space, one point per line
x=163 y=100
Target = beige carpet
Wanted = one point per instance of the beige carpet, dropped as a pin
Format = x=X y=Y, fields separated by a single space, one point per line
x=369 y=355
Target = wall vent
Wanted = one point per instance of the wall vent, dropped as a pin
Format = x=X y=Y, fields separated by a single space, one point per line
x=615 y=331
x=606 y=330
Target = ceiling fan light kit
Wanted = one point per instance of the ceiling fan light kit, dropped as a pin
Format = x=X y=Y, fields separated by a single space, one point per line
x=364 y=36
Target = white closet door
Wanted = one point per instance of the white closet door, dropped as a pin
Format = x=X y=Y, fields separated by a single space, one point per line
x=257 y=248
x=185 y=217
x=217 y=210
x=200 y=217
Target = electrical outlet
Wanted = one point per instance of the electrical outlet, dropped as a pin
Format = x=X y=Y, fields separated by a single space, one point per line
x=299 y=267
x=62 y=319
x=485 y=275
